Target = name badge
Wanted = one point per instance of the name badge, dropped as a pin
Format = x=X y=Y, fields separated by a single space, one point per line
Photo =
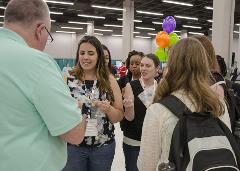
x=91 y=129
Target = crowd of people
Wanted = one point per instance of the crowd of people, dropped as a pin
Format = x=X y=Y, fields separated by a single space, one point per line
x=50 y=122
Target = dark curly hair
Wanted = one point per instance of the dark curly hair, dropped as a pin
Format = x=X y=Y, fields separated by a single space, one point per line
x=130 y=54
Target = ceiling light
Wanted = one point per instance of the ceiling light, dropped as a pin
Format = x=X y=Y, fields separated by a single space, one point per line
x=209 y=8
x=210 y=21
x=237 y=32
x=136 y=32
x=152 y=34
x=178 y=3
x=196 y=33
x=176 y=31
x=58 y=13
x=91 y=16
x=187 y=26
x=1 y=27
x=158 y=23
x=103 y=30
x=105 y=7
x=112 y=25
x=145 y=28
x=238 y=24
x=74 y=28
x=60 y=2
x=143 y=37
x=100 y=34
x=1 y=16
x=184 y=17
x=1 y=22
x=1 y=7
x=150 y=13
x=75 y=22
x=68 y=32
x=210 y=29
x=53 y=20
x=137 y=21
x=117 y=35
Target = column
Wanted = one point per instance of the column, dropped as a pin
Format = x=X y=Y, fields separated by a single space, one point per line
x=74 y=45
x=90 y=28
x=184 y=34
x=238 y=54
x=222 y=30
x=128 y=27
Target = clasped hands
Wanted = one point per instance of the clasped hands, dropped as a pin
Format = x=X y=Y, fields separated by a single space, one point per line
x=104 y=106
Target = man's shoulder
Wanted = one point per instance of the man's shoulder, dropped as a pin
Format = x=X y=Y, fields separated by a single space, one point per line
x=39 y=57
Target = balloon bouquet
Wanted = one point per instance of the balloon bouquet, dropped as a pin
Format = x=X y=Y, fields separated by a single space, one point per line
x=166 y=38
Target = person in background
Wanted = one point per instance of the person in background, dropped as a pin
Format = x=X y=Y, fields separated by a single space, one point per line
x=223 y=70
x=100 y=99
x=218 y=81
x=133 y=66
x=37 y=113
x=138 y=96
x=213 y=63
x=107 y=56
x=187 y=77
x=66 y=69
x=222 y=65
x=108 y=60
x=122 y=70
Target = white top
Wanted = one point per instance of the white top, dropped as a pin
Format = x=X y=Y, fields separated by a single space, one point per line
x=157 y=130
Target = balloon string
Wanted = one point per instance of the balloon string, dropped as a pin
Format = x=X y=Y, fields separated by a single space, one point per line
x=165 y=54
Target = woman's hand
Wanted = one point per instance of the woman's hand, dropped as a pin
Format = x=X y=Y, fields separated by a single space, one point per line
x=128 y=103
x=128 y=97
x=104 y=106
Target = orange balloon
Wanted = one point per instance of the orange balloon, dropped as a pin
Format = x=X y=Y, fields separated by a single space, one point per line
x=162 y=39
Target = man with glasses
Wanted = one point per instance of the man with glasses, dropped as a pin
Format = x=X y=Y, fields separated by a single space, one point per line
x=37 y=113
x=51 y=38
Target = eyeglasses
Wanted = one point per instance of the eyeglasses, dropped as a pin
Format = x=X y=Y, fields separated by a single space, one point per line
x=51 y=38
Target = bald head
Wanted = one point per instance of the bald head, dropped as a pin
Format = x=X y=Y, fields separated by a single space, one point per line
x=26 y=12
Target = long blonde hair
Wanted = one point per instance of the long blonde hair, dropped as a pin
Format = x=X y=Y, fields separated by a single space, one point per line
x=188 y=70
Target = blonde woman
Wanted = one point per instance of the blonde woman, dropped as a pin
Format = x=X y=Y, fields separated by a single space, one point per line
x=188 y=78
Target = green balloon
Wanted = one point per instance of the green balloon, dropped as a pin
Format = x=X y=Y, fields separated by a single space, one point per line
x=173 y=38
x=162 y=54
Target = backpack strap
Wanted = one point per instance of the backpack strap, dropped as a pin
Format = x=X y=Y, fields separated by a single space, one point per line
x=178 y=108
x=175 y=105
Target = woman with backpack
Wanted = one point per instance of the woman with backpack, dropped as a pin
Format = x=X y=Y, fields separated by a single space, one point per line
x=188 y=78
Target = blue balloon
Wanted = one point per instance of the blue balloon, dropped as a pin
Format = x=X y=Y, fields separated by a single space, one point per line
x=169 y=24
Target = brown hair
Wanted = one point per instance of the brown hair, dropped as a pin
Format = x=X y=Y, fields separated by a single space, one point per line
x=25 y=12
x=102 y=72
x=211 y=56
x=188 y=70
x=154 y=58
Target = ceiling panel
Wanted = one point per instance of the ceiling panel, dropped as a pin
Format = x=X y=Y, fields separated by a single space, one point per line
x=70 y=13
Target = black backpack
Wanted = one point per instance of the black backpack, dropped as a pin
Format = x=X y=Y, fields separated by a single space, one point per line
x=233 y=104
x=200 y=142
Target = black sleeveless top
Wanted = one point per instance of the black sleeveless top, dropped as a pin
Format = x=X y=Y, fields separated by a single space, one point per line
x=133 y=129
